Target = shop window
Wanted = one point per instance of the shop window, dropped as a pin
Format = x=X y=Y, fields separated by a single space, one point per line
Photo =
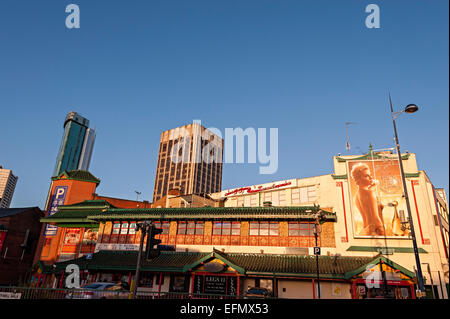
x=146 y=280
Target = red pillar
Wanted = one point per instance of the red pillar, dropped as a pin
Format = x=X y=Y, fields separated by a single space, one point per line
x=354 y=290
x=159 y=286
x=314 y=289
x=238 y=287
x=193 y=284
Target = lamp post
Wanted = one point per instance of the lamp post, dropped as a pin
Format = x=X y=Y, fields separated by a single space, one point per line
x=410 y=108
x=317 y=230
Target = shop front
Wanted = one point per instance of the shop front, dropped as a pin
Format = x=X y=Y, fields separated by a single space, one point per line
x=382 y=279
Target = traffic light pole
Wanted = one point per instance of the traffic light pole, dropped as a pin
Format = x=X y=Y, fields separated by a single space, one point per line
x=143 y=228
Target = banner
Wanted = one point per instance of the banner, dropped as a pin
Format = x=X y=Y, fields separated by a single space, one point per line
x=377 y=203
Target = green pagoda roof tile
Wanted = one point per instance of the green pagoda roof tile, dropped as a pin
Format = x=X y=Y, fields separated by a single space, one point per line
x=306 y=213
x=251 y=264
x=78 y=175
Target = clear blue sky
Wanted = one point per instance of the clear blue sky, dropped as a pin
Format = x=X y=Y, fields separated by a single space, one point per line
x=136 y=68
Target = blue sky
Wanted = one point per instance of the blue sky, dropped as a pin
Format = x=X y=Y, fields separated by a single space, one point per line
x=136 y=68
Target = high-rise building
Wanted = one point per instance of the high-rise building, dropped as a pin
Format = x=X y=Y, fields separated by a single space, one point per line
x=76 y=146
x=7 y=185
x=190 y=159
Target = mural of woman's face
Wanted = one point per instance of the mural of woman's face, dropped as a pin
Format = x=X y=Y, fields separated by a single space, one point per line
x=364 y=178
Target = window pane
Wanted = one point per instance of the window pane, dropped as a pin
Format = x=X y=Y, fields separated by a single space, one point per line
x=293 y=229
x=254 y=228
x=190 y=228
x=304 y=230
x=132 y=229
x=116 y=228
x=181 y=228
x=263 y=228
x=124 y=229
x=165 y=228
x=273 y=231
x=303 y=195
x=199 y=228
x=217 y=228
x=236 y=228
x=226 y=228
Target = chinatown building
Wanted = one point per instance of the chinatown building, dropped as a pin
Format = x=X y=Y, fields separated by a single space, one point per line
x=264 y=236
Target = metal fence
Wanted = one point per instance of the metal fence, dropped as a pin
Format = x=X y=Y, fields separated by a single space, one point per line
x=51 y=293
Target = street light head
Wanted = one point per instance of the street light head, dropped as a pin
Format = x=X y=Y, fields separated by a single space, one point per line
x=411 y=108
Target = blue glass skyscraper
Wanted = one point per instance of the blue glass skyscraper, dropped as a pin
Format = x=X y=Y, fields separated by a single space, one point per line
x=76 y=146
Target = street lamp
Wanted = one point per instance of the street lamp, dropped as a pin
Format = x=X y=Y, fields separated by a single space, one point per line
x=410 y=108
x=317 y=230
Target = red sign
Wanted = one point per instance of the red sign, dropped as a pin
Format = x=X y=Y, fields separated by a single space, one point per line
x=260 y=188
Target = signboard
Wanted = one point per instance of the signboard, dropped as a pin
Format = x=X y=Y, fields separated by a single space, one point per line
x=10 y=295
x=221 y=285
x=58 y=198
x=316 y=250
x=377 y=204
x=99 y=247
x=259 y=188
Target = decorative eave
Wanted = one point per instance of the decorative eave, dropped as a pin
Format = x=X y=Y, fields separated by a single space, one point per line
x=369 y=156
x=78 y=175
x=214 y=213
x=215 y=254
x=407 y=175
x=376 y=261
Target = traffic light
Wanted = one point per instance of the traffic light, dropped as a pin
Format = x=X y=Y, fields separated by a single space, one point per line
x=151 y=250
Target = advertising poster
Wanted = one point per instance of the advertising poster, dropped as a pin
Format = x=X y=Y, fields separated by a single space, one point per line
x=71 y=240
x=377 y=205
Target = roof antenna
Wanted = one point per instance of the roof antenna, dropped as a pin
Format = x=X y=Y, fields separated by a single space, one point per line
x=347 y=145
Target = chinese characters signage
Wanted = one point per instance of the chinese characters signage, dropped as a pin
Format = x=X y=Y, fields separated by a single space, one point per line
x=58 y=198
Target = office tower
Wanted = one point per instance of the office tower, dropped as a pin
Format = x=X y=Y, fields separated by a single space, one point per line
x=190 y=173
x=7 y=185
x=76 y=146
